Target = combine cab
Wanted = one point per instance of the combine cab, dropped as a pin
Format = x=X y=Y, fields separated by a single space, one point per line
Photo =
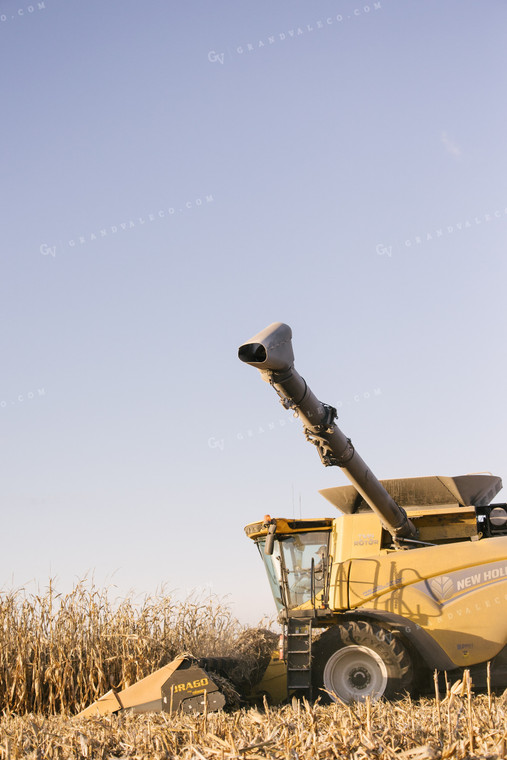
x=412 y=577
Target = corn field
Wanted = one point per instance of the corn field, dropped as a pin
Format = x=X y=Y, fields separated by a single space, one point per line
x=59 y=653
x=459 y=727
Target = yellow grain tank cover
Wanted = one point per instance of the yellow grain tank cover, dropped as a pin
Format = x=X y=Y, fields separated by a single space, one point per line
x=423 y=493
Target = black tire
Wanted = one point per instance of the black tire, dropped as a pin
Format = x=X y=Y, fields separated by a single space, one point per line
x=357 y=659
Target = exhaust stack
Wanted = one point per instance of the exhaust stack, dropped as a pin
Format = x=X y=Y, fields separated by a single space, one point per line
x=270 y=351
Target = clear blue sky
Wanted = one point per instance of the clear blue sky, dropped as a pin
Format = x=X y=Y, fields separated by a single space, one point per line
x=216 y=188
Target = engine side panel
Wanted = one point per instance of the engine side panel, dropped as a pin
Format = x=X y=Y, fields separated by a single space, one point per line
x=457 y=594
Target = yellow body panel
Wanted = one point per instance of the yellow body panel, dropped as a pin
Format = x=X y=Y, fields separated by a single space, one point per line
x=451 y=591
x=274 y=682
x=451 y=524
x=356 y=536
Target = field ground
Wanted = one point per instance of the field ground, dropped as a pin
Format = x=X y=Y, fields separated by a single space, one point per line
x=457 y=727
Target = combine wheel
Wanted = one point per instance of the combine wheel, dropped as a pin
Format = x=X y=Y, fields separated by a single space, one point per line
x=357 y=659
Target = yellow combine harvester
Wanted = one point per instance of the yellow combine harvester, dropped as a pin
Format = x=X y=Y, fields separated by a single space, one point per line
x=411 y=578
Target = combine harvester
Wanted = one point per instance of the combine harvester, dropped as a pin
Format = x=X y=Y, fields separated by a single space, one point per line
x=412 y=577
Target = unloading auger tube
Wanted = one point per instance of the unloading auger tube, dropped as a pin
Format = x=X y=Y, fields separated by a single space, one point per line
x=270 y=351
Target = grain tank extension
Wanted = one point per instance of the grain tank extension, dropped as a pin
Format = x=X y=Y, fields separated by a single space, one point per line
x=412 y=577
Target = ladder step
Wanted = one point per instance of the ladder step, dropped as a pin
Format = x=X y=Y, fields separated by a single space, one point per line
x=299 y=655
x=300 y=683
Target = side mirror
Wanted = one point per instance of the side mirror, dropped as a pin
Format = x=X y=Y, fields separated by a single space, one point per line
x=270 y=539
